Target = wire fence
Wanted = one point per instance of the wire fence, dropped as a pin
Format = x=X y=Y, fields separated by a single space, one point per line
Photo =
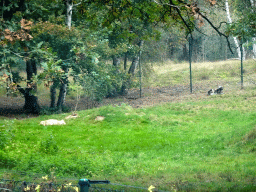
x=164 y=83
x=18 y=186
x=161 y=83
x=12 y=185
x=173 y=80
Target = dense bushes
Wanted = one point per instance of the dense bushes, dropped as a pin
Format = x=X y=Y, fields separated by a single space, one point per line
x=100 y=80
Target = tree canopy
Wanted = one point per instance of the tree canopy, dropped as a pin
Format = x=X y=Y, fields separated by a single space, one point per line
x=75 y=39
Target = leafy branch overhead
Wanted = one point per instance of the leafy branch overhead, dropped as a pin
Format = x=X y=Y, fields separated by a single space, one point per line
x=188 y=13
x=20 y=35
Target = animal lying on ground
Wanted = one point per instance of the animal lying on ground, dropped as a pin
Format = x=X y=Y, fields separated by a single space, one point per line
x=52 y=122
x=219 y=90
x=211 y=92
x=215 y=91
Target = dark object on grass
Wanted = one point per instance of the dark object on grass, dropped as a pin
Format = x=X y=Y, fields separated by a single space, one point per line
x=215 y=91
x=211 y=92
x=219 y=90
x=31 y=104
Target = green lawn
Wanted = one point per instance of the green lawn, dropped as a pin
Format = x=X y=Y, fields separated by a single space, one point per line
x=206 y=145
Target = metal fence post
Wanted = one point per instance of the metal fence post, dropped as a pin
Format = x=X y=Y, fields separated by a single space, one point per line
x=190 y=60
x=242 y=75
x=140 y=45
x=84 y=185
x=140 y=71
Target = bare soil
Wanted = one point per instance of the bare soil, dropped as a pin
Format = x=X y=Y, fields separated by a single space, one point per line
x=12 y=107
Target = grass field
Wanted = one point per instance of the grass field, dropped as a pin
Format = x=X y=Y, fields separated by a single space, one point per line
x=204 y=145
x=171 y=73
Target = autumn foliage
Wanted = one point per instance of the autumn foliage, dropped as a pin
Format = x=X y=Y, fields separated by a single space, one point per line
x=20 y=35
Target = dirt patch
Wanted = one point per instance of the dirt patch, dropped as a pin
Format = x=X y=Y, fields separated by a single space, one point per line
x=150 y=96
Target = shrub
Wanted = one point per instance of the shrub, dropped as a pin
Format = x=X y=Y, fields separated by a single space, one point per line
x=101 y=80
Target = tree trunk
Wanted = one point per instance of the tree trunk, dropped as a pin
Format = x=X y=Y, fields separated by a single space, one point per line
x=254 y=38
x=235 y=39
x=134 y=65
x=63 y=91
x=53 y=96
x=116 y=61
x=135 y=61
x=62 y=96
x=64 y=83
x=125 y=60
x=31 y=104
x=203 y=51
x=31 y=70
x=252 y=3
x=254 y=47
x=69 y=5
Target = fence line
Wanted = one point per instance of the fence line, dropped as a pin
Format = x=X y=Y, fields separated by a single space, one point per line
x=84 y=185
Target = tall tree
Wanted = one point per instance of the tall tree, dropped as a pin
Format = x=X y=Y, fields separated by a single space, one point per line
x=244 y=25
x=64 y=82
x=234 y=37
x=253 y=9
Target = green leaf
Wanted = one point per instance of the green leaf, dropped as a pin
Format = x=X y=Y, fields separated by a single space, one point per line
x=44 y=65
x=40 y=44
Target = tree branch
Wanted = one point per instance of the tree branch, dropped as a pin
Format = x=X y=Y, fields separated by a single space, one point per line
x=160 y=19
x=221 y=24
x=183 y=20
x=195 y=25
x=217 y=30
x=178 y=11
x=77 y=4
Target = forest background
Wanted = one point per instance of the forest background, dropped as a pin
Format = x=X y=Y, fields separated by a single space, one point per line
x=93 y=47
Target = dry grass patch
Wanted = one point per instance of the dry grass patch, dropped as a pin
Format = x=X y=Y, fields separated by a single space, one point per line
x=170 y=66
